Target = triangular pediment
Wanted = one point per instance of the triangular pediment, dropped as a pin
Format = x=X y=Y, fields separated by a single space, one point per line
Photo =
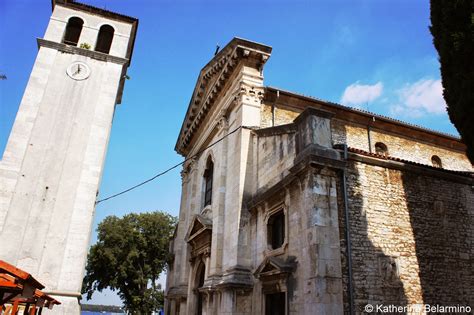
x=269 y=268
x=211 y=81
x=199 y=224
x=196 y=227
x=274 y=266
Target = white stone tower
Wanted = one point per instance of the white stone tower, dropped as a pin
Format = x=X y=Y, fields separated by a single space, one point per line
x=52 y=165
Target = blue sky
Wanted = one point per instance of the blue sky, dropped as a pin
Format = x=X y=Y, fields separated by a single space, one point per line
x=371 y=54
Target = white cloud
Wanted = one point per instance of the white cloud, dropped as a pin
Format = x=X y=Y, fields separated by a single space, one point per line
x=424 y=96
x=358 y=94
x=400 y=110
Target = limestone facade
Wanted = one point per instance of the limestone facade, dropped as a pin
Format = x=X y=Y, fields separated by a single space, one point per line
x=52 y=165
x=307 y=215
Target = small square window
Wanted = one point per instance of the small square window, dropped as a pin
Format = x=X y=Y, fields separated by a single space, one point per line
x=436 y=161
x=381 y=149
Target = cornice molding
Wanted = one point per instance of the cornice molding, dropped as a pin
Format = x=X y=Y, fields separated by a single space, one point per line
x=81 y=51
x=211 y=81
x=411 y=167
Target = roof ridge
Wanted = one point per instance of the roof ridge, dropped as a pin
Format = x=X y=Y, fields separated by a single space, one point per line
x=370 y=113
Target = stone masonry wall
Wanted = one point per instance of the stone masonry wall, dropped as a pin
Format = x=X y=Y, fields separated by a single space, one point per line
x=275 y=155
x=283 y=116
x=398 y=146
x=311 y=243
x=356 y=136
x=265 y=116
x=411 y=235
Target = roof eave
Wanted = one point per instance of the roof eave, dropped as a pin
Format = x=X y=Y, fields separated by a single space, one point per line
x=235 y=43
x=366 y=113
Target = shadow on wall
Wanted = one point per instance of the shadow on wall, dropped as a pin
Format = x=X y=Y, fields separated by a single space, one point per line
x=442 y=218
x=375 y=268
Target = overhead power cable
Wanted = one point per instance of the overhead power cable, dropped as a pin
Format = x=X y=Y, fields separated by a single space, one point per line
x=169 y=169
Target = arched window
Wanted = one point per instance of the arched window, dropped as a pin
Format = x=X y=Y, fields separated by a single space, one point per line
x=381 y=149
x=436 y=161
x=208 y=174
x=104 y=40
x=73 y=31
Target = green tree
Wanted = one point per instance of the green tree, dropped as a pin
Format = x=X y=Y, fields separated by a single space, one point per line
x=129 y=256
x=453 y=35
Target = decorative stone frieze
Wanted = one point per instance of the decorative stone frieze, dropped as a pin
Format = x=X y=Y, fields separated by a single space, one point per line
x=211 y=82
x=222 y=122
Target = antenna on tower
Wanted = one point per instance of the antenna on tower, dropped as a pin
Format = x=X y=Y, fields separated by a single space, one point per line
x=217 y=49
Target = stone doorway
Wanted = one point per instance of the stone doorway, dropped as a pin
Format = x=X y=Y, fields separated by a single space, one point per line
x=275 y=303
x=201 y=272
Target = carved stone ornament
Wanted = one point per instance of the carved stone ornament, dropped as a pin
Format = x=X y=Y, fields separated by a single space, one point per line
x=207 y=253
x=191 y=164
x=184 y=174
x=252 y=93
x=222 y=122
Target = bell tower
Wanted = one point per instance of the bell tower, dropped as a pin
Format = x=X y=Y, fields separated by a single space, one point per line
x=52 y=165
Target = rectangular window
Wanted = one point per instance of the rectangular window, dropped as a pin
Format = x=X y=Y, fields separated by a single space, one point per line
x=208 y=174
x=276 y=230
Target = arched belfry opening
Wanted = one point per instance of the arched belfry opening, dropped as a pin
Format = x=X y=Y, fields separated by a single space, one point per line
x=73 y=31
x=104 y=40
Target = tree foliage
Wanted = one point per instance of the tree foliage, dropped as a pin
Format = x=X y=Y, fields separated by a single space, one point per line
x=129 y=256
x=452 y=27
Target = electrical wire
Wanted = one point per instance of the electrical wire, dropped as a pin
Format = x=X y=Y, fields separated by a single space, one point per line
x=169 y=169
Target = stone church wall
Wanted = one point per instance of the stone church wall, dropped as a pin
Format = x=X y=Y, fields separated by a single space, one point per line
x=283 y=116
x=275 y=155
x=416 y=151
x=398 y=146
x=311 y=244
x=413 y=246
x=410 y=224
x=356 y=136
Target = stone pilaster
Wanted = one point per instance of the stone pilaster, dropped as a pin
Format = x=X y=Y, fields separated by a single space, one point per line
x=247 y=113
x=323 y=278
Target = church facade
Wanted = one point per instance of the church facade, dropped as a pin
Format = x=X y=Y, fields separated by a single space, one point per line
x=295 y=205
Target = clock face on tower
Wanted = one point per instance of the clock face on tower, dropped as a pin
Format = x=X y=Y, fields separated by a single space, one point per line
x=78 y=71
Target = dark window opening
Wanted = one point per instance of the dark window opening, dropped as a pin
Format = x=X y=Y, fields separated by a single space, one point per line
x=381 y=149
x=436 y=161
x=200 y=295
x=275 y=303
x=208 y=174
x=73 y=31
x=276 y=230
x=104 y=40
